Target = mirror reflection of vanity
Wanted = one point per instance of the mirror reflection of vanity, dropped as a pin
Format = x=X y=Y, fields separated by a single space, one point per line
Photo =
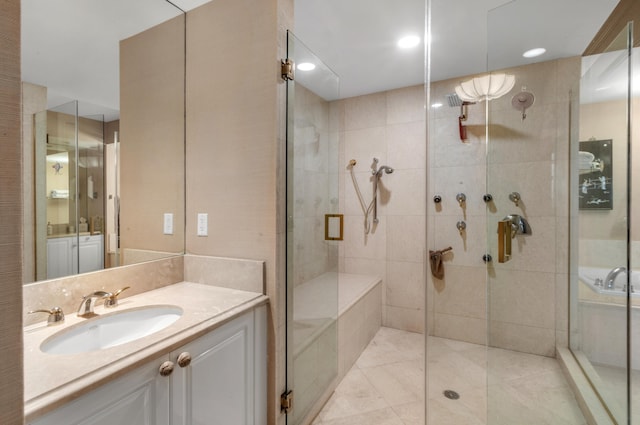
x=103 y=132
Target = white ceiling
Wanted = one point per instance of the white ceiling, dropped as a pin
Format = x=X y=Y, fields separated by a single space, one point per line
x=71 y=46
x=357 y=38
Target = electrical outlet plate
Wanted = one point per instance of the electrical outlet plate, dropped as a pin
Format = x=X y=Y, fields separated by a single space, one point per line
x=203 y=224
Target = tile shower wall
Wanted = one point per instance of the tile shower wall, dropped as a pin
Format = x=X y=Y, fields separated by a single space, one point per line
x=527 y=296
x=314 y=177
x=391 y=127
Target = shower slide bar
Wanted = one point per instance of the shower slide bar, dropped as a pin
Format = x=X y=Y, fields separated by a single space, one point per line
x=373 y=205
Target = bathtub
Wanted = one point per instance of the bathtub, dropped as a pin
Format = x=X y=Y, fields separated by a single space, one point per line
x=593 y=278
x=356 y=317
x=602 y=318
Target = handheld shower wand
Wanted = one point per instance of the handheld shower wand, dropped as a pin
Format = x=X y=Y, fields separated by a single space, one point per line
x=377 y=175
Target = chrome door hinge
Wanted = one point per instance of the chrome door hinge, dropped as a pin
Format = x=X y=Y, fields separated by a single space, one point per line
x=286 y=69
x=286 y=402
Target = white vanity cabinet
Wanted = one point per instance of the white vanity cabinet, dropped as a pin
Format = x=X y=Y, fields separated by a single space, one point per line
x=63 y=254
x=225 y=381
x=219 y=378
x=138 y=398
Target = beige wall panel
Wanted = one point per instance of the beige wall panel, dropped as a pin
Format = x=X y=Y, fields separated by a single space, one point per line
x=231 y=129
x=11 y=215
x=152 y=137
x=234 y=101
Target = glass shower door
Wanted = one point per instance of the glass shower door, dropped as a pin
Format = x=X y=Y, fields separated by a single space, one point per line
x=529 y=131
x=312 y=251
x=602 y=292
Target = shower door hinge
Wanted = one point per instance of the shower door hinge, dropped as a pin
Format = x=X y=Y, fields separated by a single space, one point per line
x=286 y=69
x=286 y=402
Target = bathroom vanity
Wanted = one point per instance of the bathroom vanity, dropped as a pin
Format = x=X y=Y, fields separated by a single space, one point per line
x=209 y=366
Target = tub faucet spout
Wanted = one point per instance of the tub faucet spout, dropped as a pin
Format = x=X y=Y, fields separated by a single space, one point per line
x=609 y=281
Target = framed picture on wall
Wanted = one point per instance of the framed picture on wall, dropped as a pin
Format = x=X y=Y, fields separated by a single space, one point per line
x=595 y=179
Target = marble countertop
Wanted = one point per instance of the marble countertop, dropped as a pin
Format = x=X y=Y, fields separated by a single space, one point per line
x=52 y=380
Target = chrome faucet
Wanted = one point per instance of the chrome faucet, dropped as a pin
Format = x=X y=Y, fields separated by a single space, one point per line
x=89 y=302
x=609 y=281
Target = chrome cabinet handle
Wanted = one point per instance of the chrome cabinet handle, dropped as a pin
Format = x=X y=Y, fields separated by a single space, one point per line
x=166 y=368
x=184 y=359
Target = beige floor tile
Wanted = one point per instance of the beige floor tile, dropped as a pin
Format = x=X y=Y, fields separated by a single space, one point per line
x=386 y=387
x=378 y=417
x=442 y=411
x=354 y=395
x=399 y=383
x=411 y=413
x=391 y=346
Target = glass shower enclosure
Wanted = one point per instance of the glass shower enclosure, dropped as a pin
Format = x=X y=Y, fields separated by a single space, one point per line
x=603 y=300
x=312 y=249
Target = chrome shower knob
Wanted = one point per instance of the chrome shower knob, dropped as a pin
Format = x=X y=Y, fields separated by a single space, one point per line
x=515 y=197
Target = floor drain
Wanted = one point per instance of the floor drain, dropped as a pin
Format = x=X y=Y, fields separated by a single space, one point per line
x=452 y=395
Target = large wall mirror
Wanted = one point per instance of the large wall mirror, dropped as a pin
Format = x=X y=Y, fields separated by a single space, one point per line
x=103 y=134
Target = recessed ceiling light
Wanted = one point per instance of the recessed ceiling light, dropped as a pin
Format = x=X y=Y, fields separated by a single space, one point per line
x=534 y=52
x=409 y=41
x=306 y=66
x=436 y=105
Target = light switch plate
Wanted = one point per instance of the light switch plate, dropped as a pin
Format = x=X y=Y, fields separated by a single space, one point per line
x=168 y=223
x=203 y=224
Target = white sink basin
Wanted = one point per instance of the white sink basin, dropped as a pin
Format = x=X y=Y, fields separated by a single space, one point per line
x=111 y=330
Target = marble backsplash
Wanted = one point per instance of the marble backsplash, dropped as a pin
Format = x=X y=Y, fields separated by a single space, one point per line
x=66 y=292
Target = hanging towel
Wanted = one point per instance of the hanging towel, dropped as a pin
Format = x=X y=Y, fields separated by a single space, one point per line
x=437 y=266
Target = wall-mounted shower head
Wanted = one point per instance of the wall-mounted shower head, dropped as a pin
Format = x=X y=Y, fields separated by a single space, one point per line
x=453 y=100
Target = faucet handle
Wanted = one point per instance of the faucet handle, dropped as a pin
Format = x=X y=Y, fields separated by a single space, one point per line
x=112 y=299
x=56 y=315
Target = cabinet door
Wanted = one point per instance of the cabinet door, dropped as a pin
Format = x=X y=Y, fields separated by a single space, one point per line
x=138 y=398
x=91 y=254
x=59 y=257
x=217 y=388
